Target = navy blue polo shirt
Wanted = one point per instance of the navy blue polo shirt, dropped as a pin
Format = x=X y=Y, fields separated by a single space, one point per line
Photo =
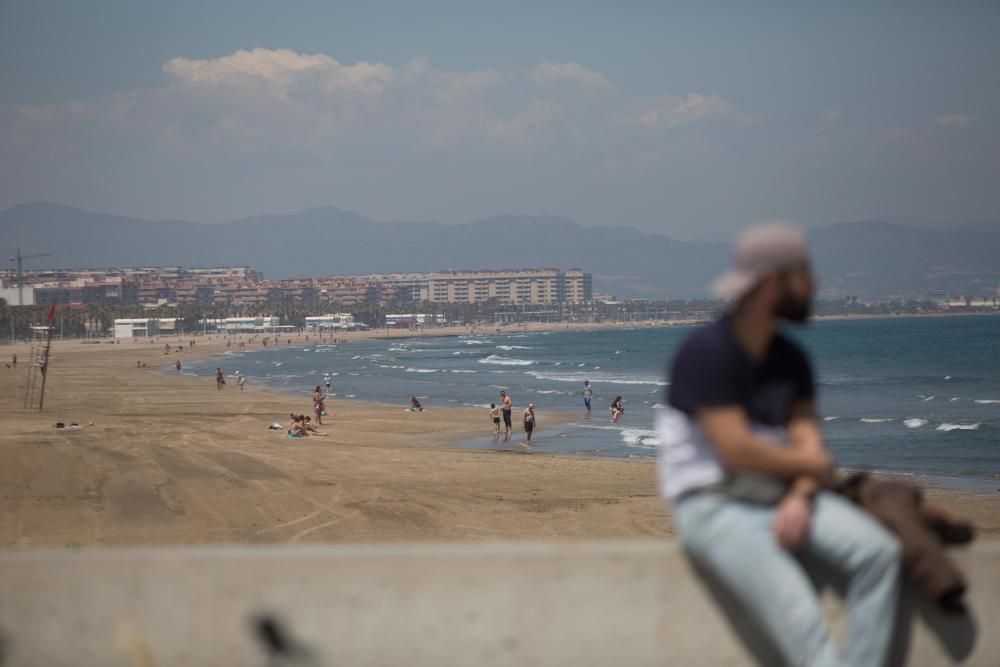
x=711 y=369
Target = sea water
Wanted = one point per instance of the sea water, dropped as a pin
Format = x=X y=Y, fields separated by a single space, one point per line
x=916 y=395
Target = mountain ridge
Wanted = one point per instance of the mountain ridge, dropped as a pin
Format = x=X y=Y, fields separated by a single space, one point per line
x=865 y=258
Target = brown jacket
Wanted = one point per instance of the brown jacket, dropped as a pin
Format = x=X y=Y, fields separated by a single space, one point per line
x=922 y=534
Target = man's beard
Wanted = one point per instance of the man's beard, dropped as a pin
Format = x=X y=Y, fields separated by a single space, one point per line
x=793 y=309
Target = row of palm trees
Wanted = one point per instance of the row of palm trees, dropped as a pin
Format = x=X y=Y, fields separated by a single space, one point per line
x=97 y=319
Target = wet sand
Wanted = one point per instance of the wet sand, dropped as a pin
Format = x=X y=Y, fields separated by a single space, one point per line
x=171 y=460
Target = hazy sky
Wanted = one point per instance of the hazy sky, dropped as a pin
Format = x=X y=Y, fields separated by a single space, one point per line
x=690 y=119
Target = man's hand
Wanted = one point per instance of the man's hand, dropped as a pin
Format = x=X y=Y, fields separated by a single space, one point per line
x=791 y=522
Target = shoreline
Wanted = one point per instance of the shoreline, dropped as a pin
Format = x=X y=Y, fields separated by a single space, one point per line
x=171 y=461
x=982 y=485
x=217 y=350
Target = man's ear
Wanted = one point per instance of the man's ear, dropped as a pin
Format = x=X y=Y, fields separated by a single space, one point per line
x=769 y=287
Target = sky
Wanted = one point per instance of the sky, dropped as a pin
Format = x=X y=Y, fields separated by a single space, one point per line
x=690 y=119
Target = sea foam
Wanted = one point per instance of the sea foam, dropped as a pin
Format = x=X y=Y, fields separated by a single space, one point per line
x=501 y=360
x=641 y=438
x=958 y=427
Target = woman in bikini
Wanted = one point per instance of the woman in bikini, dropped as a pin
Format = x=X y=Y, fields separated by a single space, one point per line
x=318 y=404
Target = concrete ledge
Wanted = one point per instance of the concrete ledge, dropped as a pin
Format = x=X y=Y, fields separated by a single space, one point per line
x=605 y=603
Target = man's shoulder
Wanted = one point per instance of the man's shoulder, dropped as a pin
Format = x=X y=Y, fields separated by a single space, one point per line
x=710 y=338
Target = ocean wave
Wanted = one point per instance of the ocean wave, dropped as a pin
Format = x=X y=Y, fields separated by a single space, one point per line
x=411 y=369
x=508 y=348
x=929 y=398
x=461 y=370
x=641 y=438
x=959 y=427
x=471 y=341
x=596 y=378
x=872 y=420
x=986 y=401
x=501 y=360
x=914 y=422
x=830 y=419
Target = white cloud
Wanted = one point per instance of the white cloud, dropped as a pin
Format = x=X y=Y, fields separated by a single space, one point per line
x=674 y=111
x=527 y=126
x=956 y=120
x=261 y=100
x=547 y=74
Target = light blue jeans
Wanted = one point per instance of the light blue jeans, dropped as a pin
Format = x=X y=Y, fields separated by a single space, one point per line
x=734 y=542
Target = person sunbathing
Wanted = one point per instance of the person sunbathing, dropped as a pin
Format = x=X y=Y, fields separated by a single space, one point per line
x=296 y=427
x=310 y=429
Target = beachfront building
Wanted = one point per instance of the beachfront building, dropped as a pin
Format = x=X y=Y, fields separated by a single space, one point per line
x=408 y=320
x=333 y=322
x=18 y=297
x=137 y=328
x=168 y=325
x=507 y=286
x=246 y=325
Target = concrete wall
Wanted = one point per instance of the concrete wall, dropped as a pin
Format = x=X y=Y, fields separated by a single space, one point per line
x=607 y=603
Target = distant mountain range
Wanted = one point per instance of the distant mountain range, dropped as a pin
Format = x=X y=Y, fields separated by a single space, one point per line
x=868 y=259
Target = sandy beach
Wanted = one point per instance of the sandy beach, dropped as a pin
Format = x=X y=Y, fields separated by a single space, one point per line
x=168 y=459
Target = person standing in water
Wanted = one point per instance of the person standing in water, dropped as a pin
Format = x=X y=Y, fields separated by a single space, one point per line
x=220 y=379
x=242 y=379
x=617 y=409
x=528 y=419
x=495 y=418
x=506 y=406
x=588 y=393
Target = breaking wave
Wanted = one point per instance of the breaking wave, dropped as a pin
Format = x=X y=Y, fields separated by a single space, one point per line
x=501 y=360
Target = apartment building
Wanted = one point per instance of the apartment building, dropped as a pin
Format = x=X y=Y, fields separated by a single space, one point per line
x=522 y=286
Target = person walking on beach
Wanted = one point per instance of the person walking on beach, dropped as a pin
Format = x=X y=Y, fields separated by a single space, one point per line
x=528 y=419
x=220 y=379
x=495 y=418
x=13 y=360
x=742 y=460
x=506 y=406
x=177 y=365
x=319 y=405
x=241 y=379
x=588 y=394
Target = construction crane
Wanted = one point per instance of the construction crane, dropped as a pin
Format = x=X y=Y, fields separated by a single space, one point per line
x=20 y=271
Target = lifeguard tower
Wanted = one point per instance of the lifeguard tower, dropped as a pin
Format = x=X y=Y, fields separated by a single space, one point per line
x=38 y=363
